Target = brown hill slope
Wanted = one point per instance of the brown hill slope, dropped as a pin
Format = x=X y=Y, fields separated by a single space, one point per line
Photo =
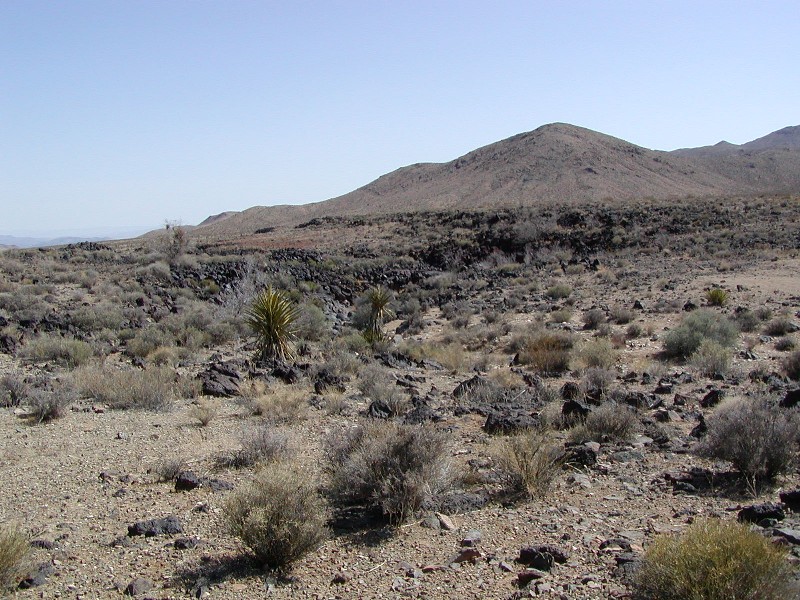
x=556 y=162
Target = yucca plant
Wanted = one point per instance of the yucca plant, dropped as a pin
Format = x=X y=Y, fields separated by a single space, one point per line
x=272 y=317
x=717 y=297
x=378 y=299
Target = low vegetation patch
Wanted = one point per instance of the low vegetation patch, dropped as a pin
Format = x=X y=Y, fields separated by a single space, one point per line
x=14 y=550
x=700 y=325
x=607 y=422
x=148 y=389
x=389 y=466
x=548 y=353
x=279 y=517
x=529 y=462
x=714 y=560
x=67 y=352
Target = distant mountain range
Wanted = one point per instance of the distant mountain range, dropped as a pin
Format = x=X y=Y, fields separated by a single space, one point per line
x=556 y=162
x=56 y=239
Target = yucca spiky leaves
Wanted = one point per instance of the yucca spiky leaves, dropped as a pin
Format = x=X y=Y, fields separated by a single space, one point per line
x=379 y=299
x=272 y=317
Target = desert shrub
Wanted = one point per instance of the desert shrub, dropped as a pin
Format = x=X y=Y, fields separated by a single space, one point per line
x=598 y=380
x=258 y=445
x=45 y=405
x=376 y=384
x=148 y=389
x=717 y=297
x=148 y=340
x=164 y=356
x=622 y=315
x=67 y=352
x=13 y=390
x=593 y=318
x=558 y=291
x=791 y=365
x=95 y=318
x=608 y=422
x=711 y=358
x=548 y=353
x=714 y=560
x=204 y=411
x=272 y=316
x=633 y=331
x=779 y=326
x=280 y=516
x=311 y=323
x=764 y=313
x=747 y=320
x=756 y=436
x=598 y=353
x=562 y=315
x=529 y=462
x=785 y=344
x=14 y=550
x=373 y=309
x=390 y=466
x=283 y=404
x=686 y=338
x=168 y=468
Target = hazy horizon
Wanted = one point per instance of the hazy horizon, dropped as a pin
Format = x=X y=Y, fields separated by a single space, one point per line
x=118 y=113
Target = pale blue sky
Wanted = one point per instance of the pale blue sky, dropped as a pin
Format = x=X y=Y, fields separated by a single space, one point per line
x=120 y=113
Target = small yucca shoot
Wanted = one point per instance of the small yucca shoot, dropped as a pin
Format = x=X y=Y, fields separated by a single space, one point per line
x=272 y=317
x=379 y=299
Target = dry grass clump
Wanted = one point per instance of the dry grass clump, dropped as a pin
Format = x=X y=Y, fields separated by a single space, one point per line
x=779 y=326
x=598 y=353
x=711 y=359
x=45 y=405
x=547 y=353
x=607 y=422
x=280 y=516
x=168 y=468
x=67 y=352
x=791 y=365
x=622 y=315
x=756 y=435
x=529 y=462
x=593 y=318
x=14 y=549
x=558 y=291
x=204 y=411
x=281 y=404
x=259 y=445
x=13 y=390
x=389 y=466
x=714 y=560
x=148 y=389
x=376 y=384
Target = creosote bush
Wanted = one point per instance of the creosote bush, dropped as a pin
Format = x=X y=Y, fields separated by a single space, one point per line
x=529 y=462
x=279 y=517
x=389 y=466
x=697 y=326
x=714 y=560
x=608 y=422
x=14 y=549
x=711 y=358
x=756 y=435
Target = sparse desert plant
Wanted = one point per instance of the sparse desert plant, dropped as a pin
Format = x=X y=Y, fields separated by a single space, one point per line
x=785 y=344
x=378 y=301
x=757 y=436
x=686 y=338
x=598 y=353
x=633 y=331
x=717 y=297
x=558 y=291
x=598 y=380
x=283 y=404
x=714 y=560
x=608 y=422
x=747 y=320
x=529 y=462
x=280 y=516
x=204 y=411
x=562 y=315
x=14 y=550
x=711 y=359
x=67 y=352
x=48 y=405
x=148 y=389
x=311 y=323
x=779 y=326
x=147 y=341
x=261 y=444
x=593 y=318
x=791 y=365
x=272 y=316
x=621 y=315
x=390 y=466
x=547 y=353
x=168 y=468
x=13 y=390
x=376 y=384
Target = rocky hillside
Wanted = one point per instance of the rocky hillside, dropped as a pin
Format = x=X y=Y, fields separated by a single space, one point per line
x=556 y=162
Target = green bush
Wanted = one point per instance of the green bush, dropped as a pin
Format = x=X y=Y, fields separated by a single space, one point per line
x=67 y=352
x=714 y=560
x=607 y=422
x=529 y=462
x=14 y=550
x=390 y=466
x=702 y=324
x=558 y=291
x=272 y=316
x=280 y=516
x=148 y=340
x=756 y=435
x=711 y=359
x=598 y=353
